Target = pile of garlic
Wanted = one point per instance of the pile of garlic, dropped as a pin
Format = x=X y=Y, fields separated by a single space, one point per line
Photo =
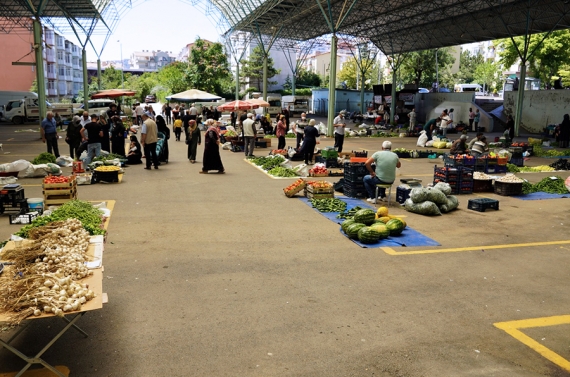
x=60 y=294
x=510 y=178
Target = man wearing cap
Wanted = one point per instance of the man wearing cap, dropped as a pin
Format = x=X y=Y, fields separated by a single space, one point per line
x=478 y=137
x=339 y=126
x=459 y=146
x=386 y=163
x=149 y=137
x=92 y=133
x=49 y=133
x=249 y=133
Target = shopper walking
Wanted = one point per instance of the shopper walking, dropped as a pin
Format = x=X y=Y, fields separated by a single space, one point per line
x=299 y=129
x=149 y=137
x=280 y=132
x=177 y=128
x=105 y=127
x=163 y=128
x=564 y=133
x=471 y=119
x=73 y=136
x=212 y=159
x=249 y=133
x=476 y=119
x=49 y=134
x=193 y=139
x=339 y=129
x=168 y=113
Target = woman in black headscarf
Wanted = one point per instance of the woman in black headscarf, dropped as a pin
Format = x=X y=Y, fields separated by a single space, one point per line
x=162 y=127
x=118 y=137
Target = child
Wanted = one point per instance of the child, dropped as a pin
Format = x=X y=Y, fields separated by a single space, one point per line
x=177 y=128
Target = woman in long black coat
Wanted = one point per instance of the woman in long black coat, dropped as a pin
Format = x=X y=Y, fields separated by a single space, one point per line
x=564 y=134
x=118 y=137
x=162 y=127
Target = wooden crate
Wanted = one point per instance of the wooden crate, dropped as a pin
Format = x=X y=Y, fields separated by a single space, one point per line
x=50 y=199
x=72 y=183
x=310 y=195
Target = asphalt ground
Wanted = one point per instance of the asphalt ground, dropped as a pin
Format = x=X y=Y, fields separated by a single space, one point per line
x=222 y=275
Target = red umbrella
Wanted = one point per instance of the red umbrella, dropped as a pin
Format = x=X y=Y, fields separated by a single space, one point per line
x=237 y=105
x=113 y=93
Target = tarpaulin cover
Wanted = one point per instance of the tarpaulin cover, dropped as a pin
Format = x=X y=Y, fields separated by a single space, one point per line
x=409 y=236
x=541 y=195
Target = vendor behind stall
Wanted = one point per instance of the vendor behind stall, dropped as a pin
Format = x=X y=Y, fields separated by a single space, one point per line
x=430 y=126
x=459 y=146
x=386 y=163
x=480 y=147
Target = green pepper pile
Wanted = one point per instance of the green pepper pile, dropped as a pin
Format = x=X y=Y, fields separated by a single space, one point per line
x=329 y=205
x=549 y=185
x=348 y=214
x=280 y=171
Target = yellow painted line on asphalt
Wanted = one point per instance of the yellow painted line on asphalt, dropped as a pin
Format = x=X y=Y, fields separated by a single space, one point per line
x=44 y=372
x=31 y=185
x=513 y=329
x=390 y=251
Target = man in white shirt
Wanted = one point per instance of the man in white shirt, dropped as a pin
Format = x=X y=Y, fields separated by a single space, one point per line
x=139 y=111
x=85 y=119
x=339 y=124
x=193 y=112
x=249 y=132
x=299 y=128
x=445 y=121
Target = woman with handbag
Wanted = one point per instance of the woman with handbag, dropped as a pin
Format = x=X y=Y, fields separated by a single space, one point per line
x=193 y=139
x=73 y=136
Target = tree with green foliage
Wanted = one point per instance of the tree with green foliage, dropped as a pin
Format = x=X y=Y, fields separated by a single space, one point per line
x=208 y=66
x=487 y=74
x=467 y=64
x=252 y=69
x=547 y=57
x=419 y=66
x=288 y=84
x=351 y=68
x=173 y=78
x=306 y=78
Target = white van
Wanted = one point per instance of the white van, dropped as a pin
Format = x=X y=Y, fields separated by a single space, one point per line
x=296 y=104
x=460 y=88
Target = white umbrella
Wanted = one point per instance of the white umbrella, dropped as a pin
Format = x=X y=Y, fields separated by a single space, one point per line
x=193 y=95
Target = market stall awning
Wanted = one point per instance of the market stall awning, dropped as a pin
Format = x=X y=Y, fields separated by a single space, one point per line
x=193 y=95
x=113 y=93
x=238 y=105
x=259 y=101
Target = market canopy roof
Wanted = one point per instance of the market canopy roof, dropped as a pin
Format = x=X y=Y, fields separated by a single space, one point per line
x=258 y=101
x=193 y=95
x=398 y=26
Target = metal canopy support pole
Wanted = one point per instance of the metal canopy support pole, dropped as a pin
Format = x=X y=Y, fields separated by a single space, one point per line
x=332 y=87
x=237 y=80
x=265 y=76
x=40 y=77
x=98 y=74
x=293 y=83
x=85 y=82
x=393 y=104
x=520 y=98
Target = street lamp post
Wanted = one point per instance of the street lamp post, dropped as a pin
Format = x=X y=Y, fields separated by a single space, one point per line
x=122 y=67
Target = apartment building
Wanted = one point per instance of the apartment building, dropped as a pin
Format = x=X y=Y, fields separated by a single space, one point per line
x=151 y=61
x=61 y=59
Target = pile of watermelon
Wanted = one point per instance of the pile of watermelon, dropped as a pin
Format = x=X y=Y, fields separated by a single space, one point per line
x=369 y=227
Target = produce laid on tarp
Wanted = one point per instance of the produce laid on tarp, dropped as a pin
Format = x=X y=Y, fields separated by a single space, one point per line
x=551 y=185
x=529 y=169
x=431 y=201
x=272 y=165
x=369 y=227
x=46 y=268
x=561 y=164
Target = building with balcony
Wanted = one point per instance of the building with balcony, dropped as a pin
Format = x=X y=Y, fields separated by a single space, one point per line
x=150 y=61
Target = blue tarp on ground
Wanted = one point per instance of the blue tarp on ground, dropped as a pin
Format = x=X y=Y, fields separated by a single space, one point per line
x=541 y=195
x=409 y=236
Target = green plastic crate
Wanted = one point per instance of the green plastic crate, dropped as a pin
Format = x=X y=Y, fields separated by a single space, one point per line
x=329 y=153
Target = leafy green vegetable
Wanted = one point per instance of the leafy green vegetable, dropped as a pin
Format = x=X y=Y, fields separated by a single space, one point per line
x=44 y=158
x=549 y=185
x=329 y=205
x=280 y=171
x=89 y=216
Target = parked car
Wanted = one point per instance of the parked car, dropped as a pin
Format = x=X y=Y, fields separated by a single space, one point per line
x=151 y=98
x=423 y=90
x=444 y=90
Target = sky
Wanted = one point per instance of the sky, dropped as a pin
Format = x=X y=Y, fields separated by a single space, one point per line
x=166 y=25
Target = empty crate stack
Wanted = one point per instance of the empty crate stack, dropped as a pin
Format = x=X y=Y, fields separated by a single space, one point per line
x=459 y=178
x=60 y=193
x=517 y=156
x=354 y=173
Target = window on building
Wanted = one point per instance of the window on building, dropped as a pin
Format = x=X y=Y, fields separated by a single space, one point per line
x=62 y=71
x=60 y=55
x=68 y=72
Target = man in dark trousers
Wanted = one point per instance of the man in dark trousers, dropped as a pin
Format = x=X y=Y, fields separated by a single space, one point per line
x=49 y=134
x=149 y=137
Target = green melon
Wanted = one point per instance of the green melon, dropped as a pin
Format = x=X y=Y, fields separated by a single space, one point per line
x=381 y=229
x=352 y=230
x=368 y=235
x=365 y=216
x=395 y=226
x=346 y=223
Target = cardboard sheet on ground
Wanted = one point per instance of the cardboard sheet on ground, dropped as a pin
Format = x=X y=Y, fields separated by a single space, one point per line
x=409 y=236
x=541 y=196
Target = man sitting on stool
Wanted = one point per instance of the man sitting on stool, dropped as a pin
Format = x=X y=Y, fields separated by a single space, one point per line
x=386 y=163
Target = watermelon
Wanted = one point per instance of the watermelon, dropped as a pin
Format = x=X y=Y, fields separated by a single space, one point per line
x=346 y=223
x=381 y=229
x=352 y=230
x=368 y=235
x=395 y=226
x=365 y=216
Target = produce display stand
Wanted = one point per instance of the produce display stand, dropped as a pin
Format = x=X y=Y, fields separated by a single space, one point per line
x=60 y=193
x=95 y=283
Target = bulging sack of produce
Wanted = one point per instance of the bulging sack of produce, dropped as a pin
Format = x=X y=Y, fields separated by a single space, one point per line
x=425 y=208
x=443 y=187
x=429 y=143
x=352 y=134
x=422 y=140
x=439 y=144
x=418 y=195
x=35 y=171
x=53 y=169
x=64 y=161
x=452 y=203
x=436 y=196
x=227 y=146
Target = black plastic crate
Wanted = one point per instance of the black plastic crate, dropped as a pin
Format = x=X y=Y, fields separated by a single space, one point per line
x=360 y=154
x=353 y=193
x=17 y=206
x=482 y=204
x=402 y=194
x=353 y=177
x=24 y=216
x=11 y=196
x=354 y=185
x=518 y=161
x=105 y=176
x=330 y=163
x=496 y=169
x=355 y=167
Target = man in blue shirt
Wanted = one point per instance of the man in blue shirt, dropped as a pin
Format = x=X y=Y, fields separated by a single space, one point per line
x=49 y=134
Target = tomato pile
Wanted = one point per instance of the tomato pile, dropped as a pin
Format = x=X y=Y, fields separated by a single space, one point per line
x=54 y=179
x=319 y=184
x=319 y=170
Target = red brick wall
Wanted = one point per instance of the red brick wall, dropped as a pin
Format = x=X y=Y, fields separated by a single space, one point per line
x=12 y=48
